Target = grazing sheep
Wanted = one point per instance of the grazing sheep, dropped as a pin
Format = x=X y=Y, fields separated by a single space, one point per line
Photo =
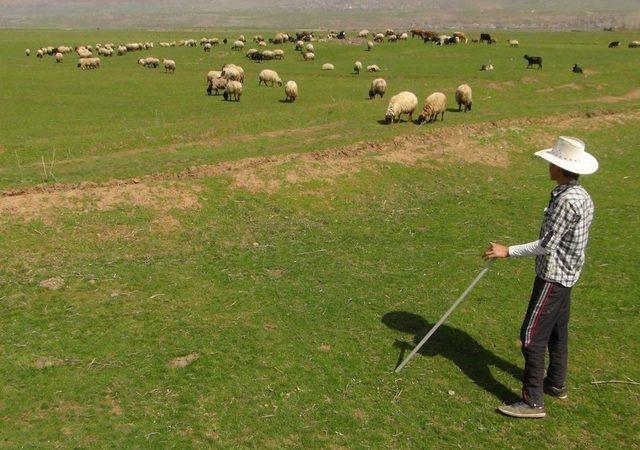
x=233 y=89
x=378 y=87
x=250 y=54
x=243 y=39
x=233 y=73
x=403 y=36
x=89 y=63
x=262 y=44
x=169 y=65
x=392 y=38
x=357 y=67
x=378 y=37
x=269 y=76
x=634 y=44
x=513 y=42
x=369 y=46
x=373 y=68
x=310 y=48
x=59 y=57
x=328 y=66
x=27 y=52
x=299 y=45
x=533 y=60
x=39 y=53
x=464 y=97
x=122 y=50
x=165 y=44
x=389 y=32
x=149 y=62
x=291 y=91
x=207 y=47
x=461 y=37
x=435 y=104
x=576 y=69
x=308 y=56
x=216 y=84
x=278 y=53
x=267 y=55
x=402 y=103
x=486 y=67
x=237 y=45
x=363 y=33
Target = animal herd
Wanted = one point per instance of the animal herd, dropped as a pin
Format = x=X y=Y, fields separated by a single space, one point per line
x=230 y=79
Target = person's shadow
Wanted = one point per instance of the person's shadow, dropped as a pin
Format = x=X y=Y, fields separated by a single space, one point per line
x=459 y=347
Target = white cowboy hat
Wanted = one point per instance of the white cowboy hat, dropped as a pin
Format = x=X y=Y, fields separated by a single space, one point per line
x=569 y=154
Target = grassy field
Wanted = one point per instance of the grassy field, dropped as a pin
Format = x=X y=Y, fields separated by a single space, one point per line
x=292 y=253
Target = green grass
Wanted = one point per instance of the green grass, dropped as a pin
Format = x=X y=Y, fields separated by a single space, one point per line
x=299 y=300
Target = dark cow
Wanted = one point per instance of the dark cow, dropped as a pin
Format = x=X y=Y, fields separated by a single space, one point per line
x=485 y=37
x=614 y=44
x=533 y=60
x=429 y=36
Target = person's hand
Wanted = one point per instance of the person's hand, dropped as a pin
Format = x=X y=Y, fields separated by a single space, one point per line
x=496 y=251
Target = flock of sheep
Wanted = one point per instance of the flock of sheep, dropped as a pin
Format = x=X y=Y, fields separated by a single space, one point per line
x=230 y=78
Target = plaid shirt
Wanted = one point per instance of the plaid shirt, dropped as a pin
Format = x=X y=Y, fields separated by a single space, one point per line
x=564 y=234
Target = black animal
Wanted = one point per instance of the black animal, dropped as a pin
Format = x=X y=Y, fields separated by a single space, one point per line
x=485 y=37
x=576 y=69
x=224 y=41
x=533 y=60
x=342 y=35
x=614 y=44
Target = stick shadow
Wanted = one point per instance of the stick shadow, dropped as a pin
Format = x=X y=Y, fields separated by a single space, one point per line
x=459 y=347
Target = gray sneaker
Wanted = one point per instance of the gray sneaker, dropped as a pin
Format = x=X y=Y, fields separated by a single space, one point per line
x=558 y=392
x=523 y=410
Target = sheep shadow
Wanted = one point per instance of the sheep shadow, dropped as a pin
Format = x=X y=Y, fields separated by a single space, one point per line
x=457 y=346
x=384 y=122
x=454 y=110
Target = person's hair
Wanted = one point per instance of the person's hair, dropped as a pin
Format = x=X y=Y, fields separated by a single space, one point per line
x=566 y=173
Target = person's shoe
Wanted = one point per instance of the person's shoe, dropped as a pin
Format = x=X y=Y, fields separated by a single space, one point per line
x=523 y=410
x=558 y=392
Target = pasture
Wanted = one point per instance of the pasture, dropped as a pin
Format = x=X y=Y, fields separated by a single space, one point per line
x=290 y=253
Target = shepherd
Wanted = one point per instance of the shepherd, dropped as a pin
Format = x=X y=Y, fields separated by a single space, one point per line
x=560 y=256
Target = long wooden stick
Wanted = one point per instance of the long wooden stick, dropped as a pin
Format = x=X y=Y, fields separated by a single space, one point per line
x=446 y=315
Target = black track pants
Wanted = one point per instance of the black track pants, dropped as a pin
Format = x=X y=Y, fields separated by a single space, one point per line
x=545 y=325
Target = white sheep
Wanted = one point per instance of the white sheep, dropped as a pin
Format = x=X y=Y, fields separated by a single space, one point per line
x=241 y=38
x=464 y=97
x=262 y=44
x=233 y=89
x=216 y=84
x=310 y=48
x=89 y=63
x=59 y=57
x=269 y=76
x=27 y=52
x=291 y=91
x=213 y=74
x=486 y=67
x=328 y=66
x=402 y=103
x=237 y=45
x=378 y=87
x=299 y=45
x=268 y=55
x=392 y=38
x=378 y=37
x=513 y=42
x=363 y=33
x=207 y=47
x=373 y=68
x=435 y=104
x=169 y=65
x=357 y=67
x=165 y=44
x=233 y=73
x=369 y=46
x=404 y=36
x=308 y=56
x=278 y=53
x=39 y=53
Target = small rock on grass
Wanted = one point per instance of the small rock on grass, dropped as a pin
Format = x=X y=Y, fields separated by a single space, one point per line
x=183 y=361
x=450 y=392
x=54 y=283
